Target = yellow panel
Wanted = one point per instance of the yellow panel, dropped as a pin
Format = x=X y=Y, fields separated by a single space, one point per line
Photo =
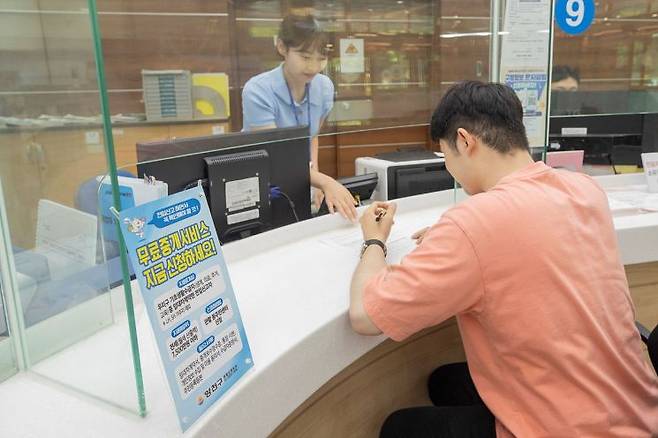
x=210 y=95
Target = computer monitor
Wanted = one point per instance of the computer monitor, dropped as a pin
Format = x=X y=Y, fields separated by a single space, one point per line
x=607 y=139
x=239 y=172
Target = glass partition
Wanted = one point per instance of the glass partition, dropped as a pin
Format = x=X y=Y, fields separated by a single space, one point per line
x=403 y=55
x=8 y=359
x=51 y=155
x=616 y=61
x=8 y=365
x=604 y=98
x=388 y=64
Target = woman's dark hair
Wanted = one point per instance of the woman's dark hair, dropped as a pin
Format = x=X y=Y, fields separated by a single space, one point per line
x=303 y=32
x=561 y=72
x=492 y=112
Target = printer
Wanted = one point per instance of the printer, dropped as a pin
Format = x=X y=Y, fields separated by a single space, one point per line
x=406 y=173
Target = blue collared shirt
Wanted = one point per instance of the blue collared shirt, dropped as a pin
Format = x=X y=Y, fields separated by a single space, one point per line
x=266 y=101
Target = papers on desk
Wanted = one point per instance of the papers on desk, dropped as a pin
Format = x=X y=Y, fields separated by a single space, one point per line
x=634 y=198
x=399 y=243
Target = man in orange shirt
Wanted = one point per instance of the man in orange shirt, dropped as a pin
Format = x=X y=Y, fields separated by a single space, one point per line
x=529 y=265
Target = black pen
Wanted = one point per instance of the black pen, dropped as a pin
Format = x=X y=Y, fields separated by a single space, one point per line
x=380 y=214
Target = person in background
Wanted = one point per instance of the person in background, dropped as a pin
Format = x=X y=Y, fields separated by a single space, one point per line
x=294 y=94
x=564 y=78
x=530 y=267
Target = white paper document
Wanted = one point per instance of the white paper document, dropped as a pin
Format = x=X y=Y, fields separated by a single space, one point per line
x=635 y=199
x=399 y=243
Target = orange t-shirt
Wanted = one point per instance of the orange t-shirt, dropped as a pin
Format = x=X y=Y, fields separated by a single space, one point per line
x=531 y=269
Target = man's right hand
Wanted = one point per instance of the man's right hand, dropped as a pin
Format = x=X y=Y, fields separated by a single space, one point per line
x=377 y=220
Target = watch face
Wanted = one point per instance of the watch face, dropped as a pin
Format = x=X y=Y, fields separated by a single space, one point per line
x=363 y=248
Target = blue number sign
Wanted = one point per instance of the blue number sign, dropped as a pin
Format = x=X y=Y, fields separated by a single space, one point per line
x=574 y=16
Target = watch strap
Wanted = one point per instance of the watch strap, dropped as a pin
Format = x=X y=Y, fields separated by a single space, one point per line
x=377 y=242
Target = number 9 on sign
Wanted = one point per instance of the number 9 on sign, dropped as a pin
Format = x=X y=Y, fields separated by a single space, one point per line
x=574 y=16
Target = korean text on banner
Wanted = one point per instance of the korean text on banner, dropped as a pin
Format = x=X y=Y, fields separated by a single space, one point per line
x=175 y=253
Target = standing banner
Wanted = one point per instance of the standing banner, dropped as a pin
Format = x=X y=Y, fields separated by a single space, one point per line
x=524 y=61
x=175 y=253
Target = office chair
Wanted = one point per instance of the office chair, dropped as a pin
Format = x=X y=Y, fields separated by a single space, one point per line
x=651 y=340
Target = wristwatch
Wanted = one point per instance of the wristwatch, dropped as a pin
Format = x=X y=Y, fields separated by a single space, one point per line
x=369 y=242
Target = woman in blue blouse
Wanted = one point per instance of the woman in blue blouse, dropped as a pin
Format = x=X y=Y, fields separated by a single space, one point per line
x=296 y=93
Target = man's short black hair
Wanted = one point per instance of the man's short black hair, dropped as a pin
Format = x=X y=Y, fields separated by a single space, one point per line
x=492 y=112
x=561 y=72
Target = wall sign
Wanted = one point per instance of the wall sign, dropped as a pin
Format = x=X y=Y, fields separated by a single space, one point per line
x=524 y=61
x=352 y=58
